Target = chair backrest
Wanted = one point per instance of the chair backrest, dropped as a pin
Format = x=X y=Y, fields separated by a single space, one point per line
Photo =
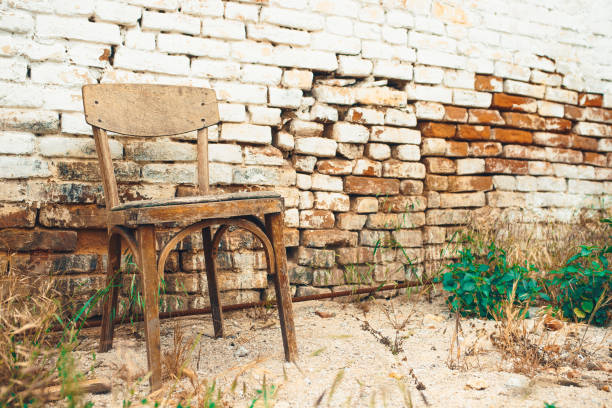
x=148 y=110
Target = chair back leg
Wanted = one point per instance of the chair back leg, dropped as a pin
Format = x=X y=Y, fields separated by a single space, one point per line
x=150 y=292
x=110 y=301
x=274 y=227
x=211 y=278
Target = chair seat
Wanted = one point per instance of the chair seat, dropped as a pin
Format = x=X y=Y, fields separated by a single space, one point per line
x=212 y=198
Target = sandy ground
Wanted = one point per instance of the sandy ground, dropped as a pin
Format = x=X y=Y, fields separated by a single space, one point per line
x=343 y=364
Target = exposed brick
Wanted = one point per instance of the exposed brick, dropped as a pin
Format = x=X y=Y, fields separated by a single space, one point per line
x=485 y=116
x=38 y=239
x=469 y=183
x=488 y=83
x=433 y=129
x=524 y=152
x=585 y=99
x=73 y=216
x=316 y=219
x=505 y=166
x=552 y=139
x=456 y=149
x=398 y=169
x=47 y=264
x=328 y=238
x=485 y=149
x=514 y=103
x=366 y=167
x=524 y=121
x=331 y=201
x=17 y=216
x=476 y=132
x=334 y=167
x=511 y=136
x=370 y=185
x=557 y=124
x=555 y=154
x=455 y=114
x=436 y=182
x=454 y=200
x=351 y=221
x=364 y=204
x=411 y=187
x=440 y=165
x=402 y=204
x=583 y=143
x=595 y=159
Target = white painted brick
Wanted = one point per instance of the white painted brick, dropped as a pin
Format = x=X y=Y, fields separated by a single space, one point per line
x=140 y=40
x=381 y=50
x=433 y=93
x=484 y=36
x=459 y=79
x=372 y=14
x=394 y=35
x=48 y=26
x=323 y=182
x=592 y=129
x=267 y=32
x=285 y=142
x=433 y=147
x=78 y=147
x=232 y=112
x=74 y=7
x=16 y=21
x=168 y=5
x=242 y=93
x=367 y=31
x=584 y=187
x=11 y=45
x=246 y=133
x=59 y=98
x=139 y=60
x=526 y=183
x=285 y=98
x=345 y=132
x=13 y=69
x=522 y=88
x=346 y=8
x=511 y=71
x=208 y=68
x=392 y=69
x=297 y=79
x=440 y=59
x=36 y=121
x=470 y=166
x=213 y=8
x=242 y=12
x=224 y=153
x=61 y=74
x=293 y=19
x=323 y=113
x=534 y=61
x=550 y=109
x=428 y=75
x=183 y=44
x=354 y=66
x=225 y=29
x=261 y=74
x=504 y=183
x=545 y=78
x=74 y=123
x=304 y=181
x=571 y=171
x=316 y=146
x=397 y=117
x=171 y=22
x=20 y=95
x=261 y=115
x=472 y=98
x=180 y=173
x=303 y=58
x=551 y=184
x=263 y=155
x=339 y=25
x=17 y=142
x=334 y=94
x=429 y=110
x=92 y=55
x=539 y=168
x=407 y=152
x=378 y=151
x=480 y=65
x=433 y=42
x=365 y=116
x=336 y=43
x=429 y=25
x=12 y=167
x=387 y=134
x=400 y=18
x=561 y=95
x=604 y=145
x=114 y=12
x=607 y=100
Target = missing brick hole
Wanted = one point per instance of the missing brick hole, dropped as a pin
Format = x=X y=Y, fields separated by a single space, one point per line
x=29 y=72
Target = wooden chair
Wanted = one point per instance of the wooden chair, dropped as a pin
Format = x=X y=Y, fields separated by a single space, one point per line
x=157 y=110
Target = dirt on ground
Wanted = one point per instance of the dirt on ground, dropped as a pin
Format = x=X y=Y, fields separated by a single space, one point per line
x=376 y=353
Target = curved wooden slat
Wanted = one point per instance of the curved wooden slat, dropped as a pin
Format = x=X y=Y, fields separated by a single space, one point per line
x=238 y=222
x=128 y=236
x=149 y=110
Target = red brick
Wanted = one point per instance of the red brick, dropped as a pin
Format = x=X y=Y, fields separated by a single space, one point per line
x=328 y=238
x=586 y=99
x=73 y=216
x=595 y=159
x=456 y=149
x=505 y=166
x=487 y=83
x=557 y=124
x=455 y=114
x=432 y=129
x=477 y=132
x=514 y=103
x=575 y=113
x=485 y=116
x=583 y=143
x=370 y=185
x=37 y=239
x=524 y=121
x=524 y=152
x=512 y=136
x=481 y=149
x=335 y=167
x=434 y=182
x=599 y=115
x=470 y=183
x=440 y=165
x=17 y=216
x=552 y=139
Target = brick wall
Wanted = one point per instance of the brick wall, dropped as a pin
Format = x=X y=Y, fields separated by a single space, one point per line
x=378 y=121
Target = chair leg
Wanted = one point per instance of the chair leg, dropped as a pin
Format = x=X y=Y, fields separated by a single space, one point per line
x=110 y=303
x=274 y=227
x=213 y=287
x=150 y=291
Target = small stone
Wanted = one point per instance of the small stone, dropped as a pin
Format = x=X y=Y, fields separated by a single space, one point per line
x=241 y=352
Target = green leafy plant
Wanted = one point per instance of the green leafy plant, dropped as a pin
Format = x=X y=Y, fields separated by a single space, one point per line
x=480 y=288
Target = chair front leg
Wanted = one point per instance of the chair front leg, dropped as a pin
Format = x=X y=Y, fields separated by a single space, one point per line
x=110 y=302
x=211 y=278
x=150 y=291
x=274 y=227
